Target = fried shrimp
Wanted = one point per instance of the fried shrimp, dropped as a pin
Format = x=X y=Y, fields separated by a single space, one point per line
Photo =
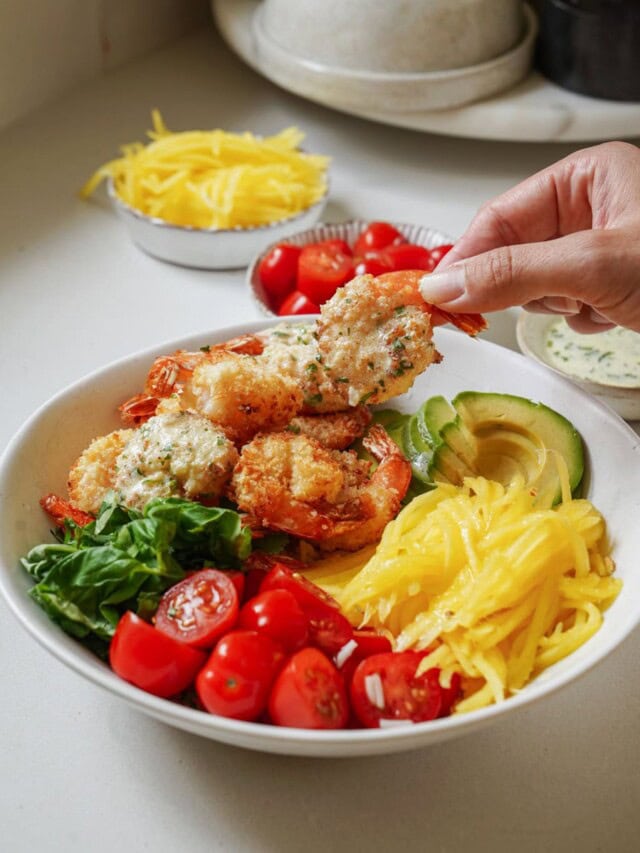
x=336 y=430
x=292 y=483
x=174 y=454
x=375 y=335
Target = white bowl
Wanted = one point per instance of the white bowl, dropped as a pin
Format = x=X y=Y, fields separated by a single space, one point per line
x=37 y=459
x=349 y=231
x=531 y=332
x=207 y=248
x=394 y=91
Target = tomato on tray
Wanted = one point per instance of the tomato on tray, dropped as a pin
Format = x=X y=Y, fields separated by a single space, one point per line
x=151 y=660
x=329 y=630
x=376 y=236
x=309 y=693
x=323 y=267
x=278 y=271
x=385 y=687
x=199 y=609
x=297 y=303
x=438 y=253
x=408 y=257
x=237 y=678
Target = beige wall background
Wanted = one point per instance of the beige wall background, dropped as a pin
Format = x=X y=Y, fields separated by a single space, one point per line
x=50 y=46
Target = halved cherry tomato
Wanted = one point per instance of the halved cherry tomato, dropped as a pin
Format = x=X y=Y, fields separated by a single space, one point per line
x=408 y=257
x=450 y=694
x=236 y=680
x=277 y=614
x=329 y=630
x=368 y=642
x=297 y=303
x=376 y=236
x=323 y=268
x=278 y=270
x=309 y=693
x=372 y=265
x=152 y=660
x=199 y=609
x=386 y=687
x=438 y=253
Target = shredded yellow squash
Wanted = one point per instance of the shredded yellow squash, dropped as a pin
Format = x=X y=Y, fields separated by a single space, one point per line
x=495 y=586
x=215 y=179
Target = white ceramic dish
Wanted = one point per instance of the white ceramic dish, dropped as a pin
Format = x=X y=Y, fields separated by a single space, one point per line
x=531 y=332
x=37 y=459
x=533 y=111
x=349 y=231
x=394 y=91
x=207 y=248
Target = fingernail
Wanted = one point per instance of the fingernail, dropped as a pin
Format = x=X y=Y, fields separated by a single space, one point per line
x=443 y=286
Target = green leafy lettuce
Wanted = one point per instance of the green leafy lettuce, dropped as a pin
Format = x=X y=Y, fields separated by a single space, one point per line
x=125 y=560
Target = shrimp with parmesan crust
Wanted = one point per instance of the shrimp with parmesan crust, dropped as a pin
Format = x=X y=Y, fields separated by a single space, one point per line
x=294 y=484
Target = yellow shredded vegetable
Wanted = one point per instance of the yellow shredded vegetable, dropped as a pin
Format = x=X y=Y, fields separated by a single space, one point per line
x=215 y=179
x=496 y=586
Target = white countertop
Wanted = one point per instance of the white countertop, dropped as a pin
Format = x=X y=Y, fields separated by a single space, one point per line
x=80 y=770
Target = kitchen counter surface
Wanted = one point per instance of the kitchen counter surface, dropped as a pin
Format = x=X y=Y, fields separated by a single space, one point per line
x=83 y=772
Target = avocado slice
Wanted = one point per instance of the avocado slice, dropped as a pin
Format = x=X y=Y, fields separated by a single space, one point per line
x=432 y=416
x=499 y=436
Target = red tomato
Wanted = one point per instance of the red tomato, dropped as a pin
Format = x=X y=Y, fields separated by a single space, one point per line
x=368 y=642
x=322 y=269
x=372 y=265
x=309 y=693
x=277 y=614
x=334 y=246
x=297 y=303
x=386 y=687
x=450 y=694
x=199 y=609
x=239 y=580
x=237 y=678
x=439 y=252
x=377 y=235
x=329 y=630
x=409 y=257
x=277 y=272
x=253 y=582
x=150 y=659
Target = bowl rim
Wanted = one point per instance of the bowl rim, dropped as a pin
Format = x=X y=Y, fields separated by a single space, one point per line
x=258 y=735
x=528 y=35
x=128 y=210
x=528 y=323
x=252 y=279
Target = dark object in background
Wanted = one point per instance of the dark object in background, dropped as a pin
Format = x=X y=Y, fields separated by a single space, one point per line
x=591 y=46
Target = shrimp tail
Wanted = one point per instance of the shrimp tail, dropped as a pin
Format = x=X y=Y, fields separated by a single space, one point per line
x=60 y=510
x=471 y=324
x=138 y=409
x=394 y=470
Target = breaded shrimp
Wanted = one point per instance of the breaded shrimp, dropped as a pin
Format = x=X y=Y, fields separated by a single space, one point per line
x=375 y=335
x=292 y=483
x=175 y=453
x=335 y=430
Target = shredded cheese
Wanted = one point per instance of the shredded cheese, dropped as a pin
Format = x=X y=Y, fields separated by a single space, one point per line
x=215 y=179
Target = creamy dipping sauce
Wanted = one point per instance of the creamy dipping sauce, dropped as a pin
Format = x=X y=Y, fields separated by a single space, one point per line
x=610 y=358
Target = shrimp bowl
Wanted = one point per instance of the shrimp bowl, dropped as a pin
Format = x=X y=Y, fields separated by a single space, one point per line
x=40 y=457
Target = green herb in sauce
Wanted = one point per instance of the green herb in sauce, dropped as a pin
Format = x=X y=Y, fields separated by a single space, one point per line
x=610 y=358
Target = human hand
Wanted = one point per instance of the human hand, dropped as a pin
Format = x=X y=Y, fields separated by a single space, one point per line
x=565 y=241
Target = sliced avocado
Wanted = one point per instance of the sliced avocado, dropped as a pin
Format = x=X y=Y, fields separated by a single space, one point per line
x=512 y=435
x=432 y=416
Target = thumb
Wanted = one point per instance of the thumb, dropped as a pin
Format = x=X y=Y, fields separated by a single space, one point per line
x=579 y=266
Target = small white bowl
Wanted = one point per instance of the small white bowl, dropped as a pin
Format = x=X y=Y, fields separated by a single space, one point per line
x=421 y=235
x=531 y=332
x=207 y=248
x=394 y=91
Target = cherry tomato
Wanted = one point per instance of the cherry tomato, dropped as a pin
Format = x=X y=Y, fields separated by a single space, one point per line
x=372 y=264
x=239 y=580
x=297 y=303
x=450 y=694
x=368 y=642
x=322 y=269
x=409 y=257
x=309 y=693
x=199 y=609
x=150 y=659
x=439 y=252
x=236 y=680
x=277 y=272
x=329 y=630
x=277 y=614
x=335 y=246
x=386 y=687
x=376 y=236
x=59 y=510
